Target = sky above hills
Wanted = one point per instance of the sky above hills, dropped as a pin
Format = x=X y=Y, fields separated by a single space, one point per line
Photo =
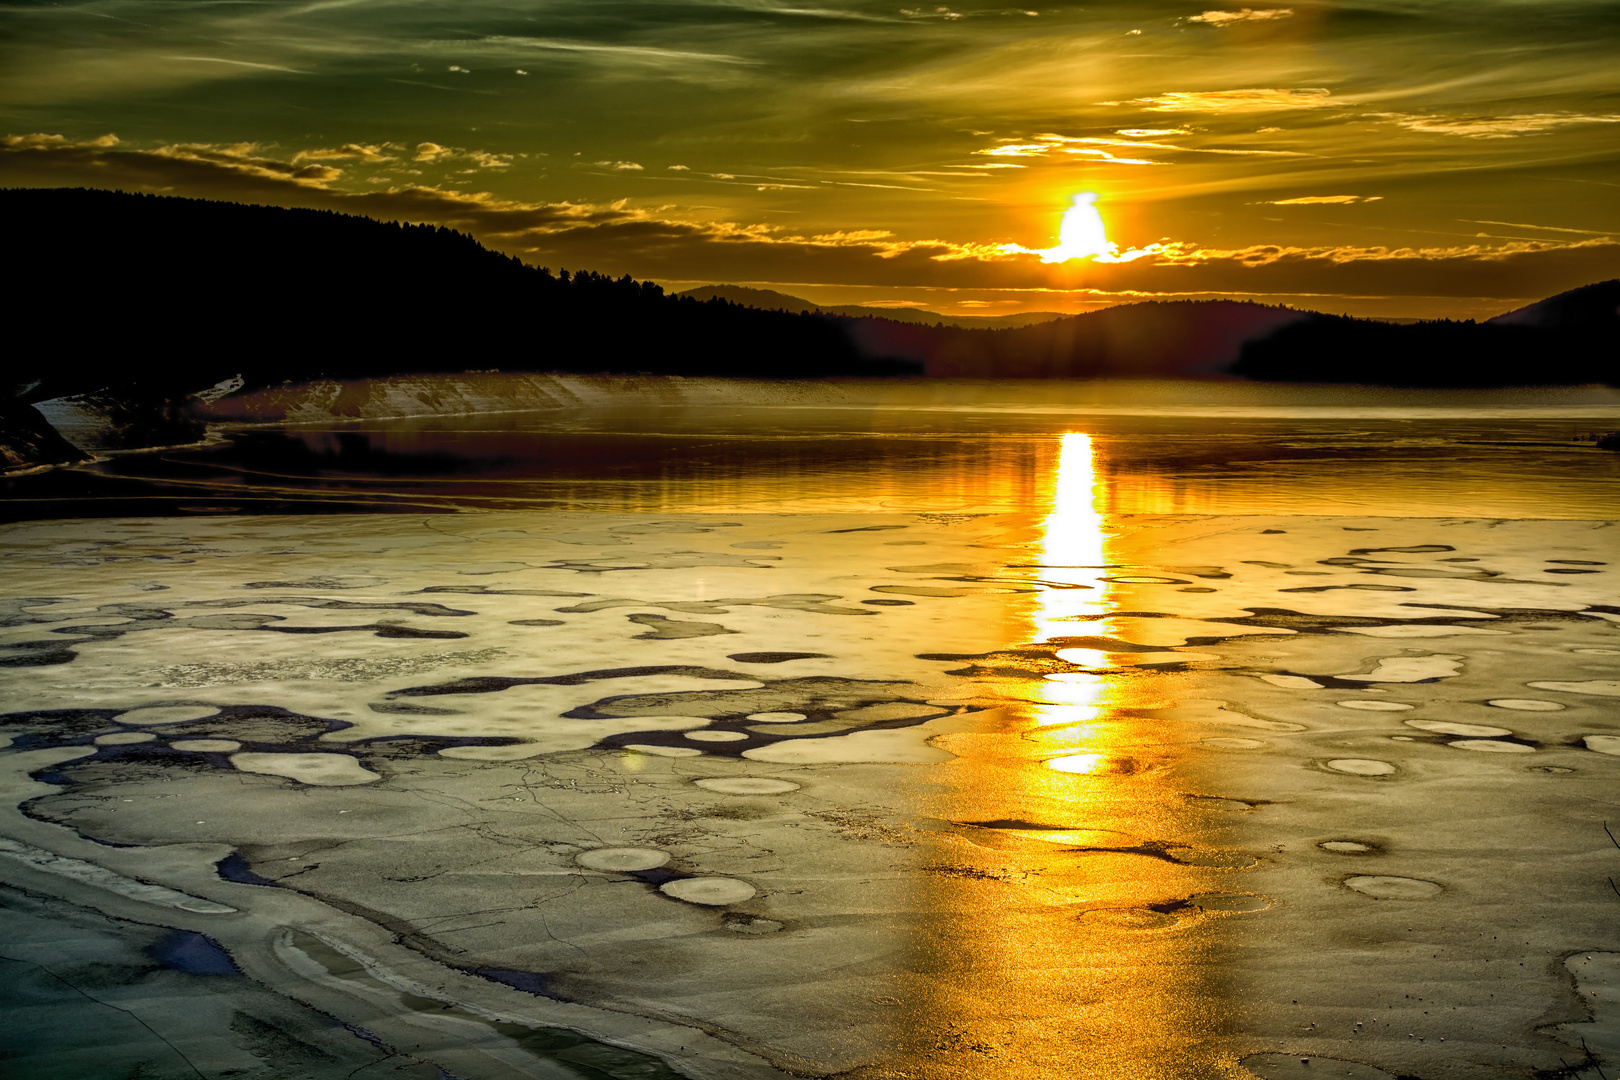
x=1394 y=157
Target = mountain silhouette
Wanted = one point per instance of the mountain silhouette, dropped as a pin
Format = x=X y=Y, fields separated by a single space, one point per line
x=771 y=300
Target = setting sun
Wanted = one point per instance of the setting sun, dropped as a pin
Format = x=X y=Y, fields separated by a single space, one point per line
x=1082 y=234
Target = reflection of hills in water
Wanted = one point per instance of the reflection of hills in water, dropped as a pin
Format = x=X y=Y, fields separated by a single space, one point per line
x=952 y=448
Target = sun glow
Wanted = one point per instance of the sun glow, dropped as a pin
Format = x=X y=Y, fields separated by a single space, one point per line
x=1082 y=234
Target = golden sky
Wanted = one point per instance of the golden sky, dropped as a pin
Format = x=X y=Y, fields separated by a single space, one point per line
x=1392 y=157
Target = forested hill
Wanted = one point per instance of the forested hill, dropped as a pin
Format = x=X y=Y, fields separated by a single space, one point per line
x=170 y=295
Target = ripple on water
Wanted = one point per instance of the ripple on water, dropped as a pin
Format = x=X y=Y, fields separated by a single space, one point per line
x=622 y=859
x=1303 y=1066
x=776 y=717
x=716 y=736
x=207 y=746
x=1346 y=847
x=1604 y=744
x=1234 y=744
x=1525 y=704
x=708 y=891
x=663 y=751
x=166 y=714
x=1361 y=766
x=1446 y=727
x=746 y=785
x=1376 y=706
x=1383 y=887
x=1599 y=687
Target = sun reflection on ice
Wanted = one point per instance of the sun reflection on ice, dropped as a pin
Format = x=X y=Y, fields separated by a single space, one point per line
x=1074 y=565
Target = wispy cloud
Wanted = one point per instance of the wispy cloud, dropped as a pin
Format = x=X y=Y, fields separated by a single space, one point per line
x=1089 y=147
x=1498 y=127
x=371 y=154
x=1233 y=101
x=1320 y=200
x=238 y=63
x=632 y=52
x=1222 y=18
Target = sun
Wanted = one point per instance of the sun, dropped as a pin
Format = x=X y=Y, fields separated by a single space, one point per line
x=1082 y=234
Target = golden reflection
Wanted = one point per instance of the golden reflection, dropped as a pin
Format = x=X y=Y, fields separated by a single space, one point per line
x=1056 y=939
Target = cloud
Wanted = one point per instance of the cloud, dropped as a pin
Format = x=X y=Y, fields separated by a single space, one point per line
x=678 y=168
x=431 y=152
x=372 y=154
x=1233 y=101
x=1318 y=200
x=621 y=166
x=657 y=243
x=1052 y=146
x=1497 y=127
x=1222 y=18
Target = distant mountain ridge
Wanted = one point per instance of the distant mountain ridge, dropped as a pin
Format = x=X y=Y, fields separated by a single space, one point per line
x=771 y=300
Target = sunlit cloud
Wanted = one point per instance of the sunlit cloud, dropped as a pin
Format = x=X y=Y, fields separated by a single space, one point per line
x=1499 y=127
x=1233 y=101
x=1152 y=133
x=430 y=152
x=1320 y=200
x=621 y=166
x=372 y=154
x=1222 y=18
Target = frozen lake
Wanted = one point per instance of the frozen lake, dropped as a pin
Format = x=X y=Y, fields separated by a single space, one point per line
x=997 y=731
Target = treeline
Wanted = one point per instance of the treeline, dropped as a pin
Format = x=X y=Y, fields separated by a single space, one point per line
x=1569 y=339
x=160 y=295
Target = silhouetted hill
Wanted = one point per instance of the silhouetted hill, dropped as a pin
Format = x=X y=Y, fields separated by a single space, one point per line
x=1568 y=339
x=1174 y=339
x=1590 y=307
x=158 y=295
x=771 y=300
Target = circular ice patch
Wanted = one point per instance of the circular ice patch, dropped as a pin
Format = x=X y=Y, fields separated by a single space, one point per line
x=746 y=785
x=622 y=859
x=1492 y=746
x=124 y=738
x=709 y=891
x=1361 y=766
x=1446 y=727
x=1234 y=744
x=1376 y=706
x=1525 y=704
x=716 y=736
x=1345 y=847
x=776 y=717
x=207 y=746
x=319 y=770
x=1393 y=888
x=166 y=714
x=1604 y=744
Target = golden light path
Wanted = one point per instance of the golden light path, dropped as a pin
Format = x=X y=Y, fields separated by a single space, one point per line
x=1053 y=944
